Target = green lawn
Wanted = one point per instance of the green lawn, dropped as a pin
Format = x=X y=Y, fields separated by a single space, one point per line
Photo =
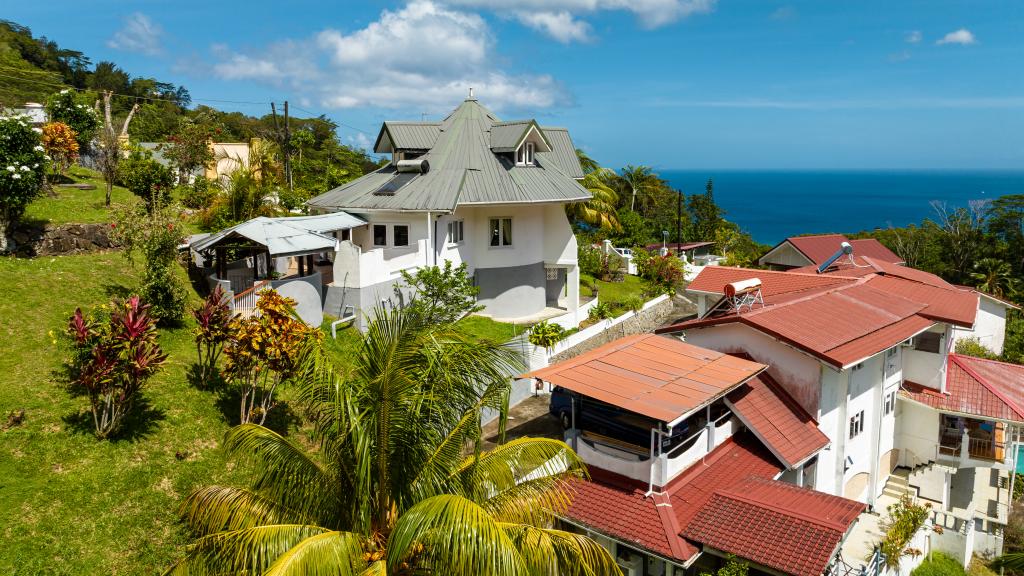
x=73 y=205
x=69 y=503
x=616 y=294
x=482 y=328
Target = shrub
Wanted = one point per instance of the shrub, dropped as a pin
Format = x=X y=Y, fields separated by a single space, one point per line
x=589 y=260
x=198 y=195
x=904 y=519
x=112 y=359
x=939 y=564
x=22 y=168
x=156 y=234
x=973 y=347
x=213 y=322
x=189 y=148
x=59 y=142
x=665 y=272
x=146 y=178
x=600 y=311
x=546 y=334
x=440 y=295
x=262 y=353
x=634 y=304
x=642 y=261
x=293 y=199
x=66 y=108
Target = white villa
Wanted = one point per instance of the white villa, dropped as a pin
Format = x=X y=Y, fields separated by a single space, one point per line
x=469 y=189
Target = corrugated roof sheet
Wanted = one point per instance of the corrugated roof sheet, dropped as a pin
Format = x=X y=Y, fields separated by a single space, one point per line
x=563 y=152
x=820 y=248
x=790 y=529
x=975 y=386
x=280 y=238
x=408 y=135
x=616 y=506
x=658 y=377
x=712 y=279
x=778 y=421
x=463 y=169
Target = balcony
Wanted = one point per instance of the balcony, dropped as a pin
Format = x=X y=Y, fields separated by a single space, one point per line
x=972 y=441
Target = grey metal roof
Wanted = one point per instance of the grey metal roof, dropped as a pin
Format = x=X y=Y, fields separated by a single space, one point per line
x=288 y=236
x=407 y=136
x=464 y=169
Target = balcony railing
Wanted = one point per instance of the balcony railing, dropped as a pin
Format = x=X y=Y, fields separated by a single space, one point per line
x=973 y=444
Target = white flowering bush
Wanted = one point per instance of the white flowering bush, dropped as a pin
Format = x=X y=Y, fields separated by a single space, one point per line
x=22 y=166
x=65 y=107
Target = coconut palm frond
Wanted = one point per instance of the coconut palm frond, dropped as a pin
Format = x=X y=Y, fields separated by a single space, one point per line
x=453 y=536
x=222 y=508
x=248 y=551
x=600 y=209
x=549 y=551
x=326 y=554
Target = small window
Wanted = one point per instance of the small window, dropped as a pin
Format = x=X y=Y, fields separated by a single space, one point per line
x=551 y=273
x=501 y=232
x=856 y=424
x=456 y=232
x=525 y=153
x=928 y=342
x=889 y=403
x=892 y=364
x=380 y=235
x=401 y=233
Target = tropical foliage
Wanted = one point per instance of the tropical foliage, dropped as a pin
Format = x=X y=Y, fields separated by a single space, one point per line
x=546 y=334
x=390 y=488
x=22 y=169
x=213 y=328
x=111 y=359
x=59 y=142
x=439 y=295
x=189 y=147
x=145 y=177
x=262 y=353
x=155 y=235
x=74 y=111
x=902 y=522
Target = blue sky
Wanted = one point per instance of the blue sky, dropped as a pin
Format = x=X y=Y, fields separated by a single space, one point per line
x=688 y=84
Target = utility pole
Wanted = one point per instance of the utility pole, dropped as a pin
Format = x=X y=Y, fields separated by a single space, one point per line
x=287 y=148
x=679 y=220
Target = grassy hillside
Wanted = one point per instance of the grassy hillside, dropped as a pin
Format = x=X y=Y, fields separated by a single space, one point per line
x=73 y=205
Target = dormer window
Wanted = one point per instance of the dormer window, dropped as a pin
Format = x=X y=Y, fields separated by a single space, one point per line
x=524 y=155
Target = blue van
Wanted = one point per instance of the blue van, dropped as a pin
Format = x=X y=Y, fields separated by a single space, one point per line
x=607 y=420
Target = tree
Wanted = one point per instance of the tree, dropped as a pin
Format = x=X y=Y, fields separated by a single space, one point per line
x=960 y=235
x=599 y=211
x=995 y=277
x=112 y=359
x=439 y=295
x=146 y=178
x=109 y=151
x=640 y=180
x=67 y=108
x=189 y=148
x=59 y=143
x=587 y=163
x=1005 y=221
x=707 y=216
x=22 y=168
x=390 y=488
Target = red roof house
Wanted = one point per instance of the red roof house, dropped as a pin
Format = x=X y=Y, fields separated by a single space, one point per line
x=975 y=387
x=798 y=251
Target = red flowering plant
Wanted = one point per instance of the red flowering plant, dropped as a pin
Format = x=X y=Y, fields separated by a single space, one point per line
x=213 y=323
x=112 y=357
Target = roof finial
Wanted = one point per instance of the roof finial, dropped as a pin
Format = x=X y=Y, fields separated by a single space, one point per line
x=470 y=93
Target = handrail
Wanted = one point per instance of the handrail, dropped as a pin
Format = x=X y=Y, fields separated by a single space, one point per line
x=255 y=286
x=687 y=443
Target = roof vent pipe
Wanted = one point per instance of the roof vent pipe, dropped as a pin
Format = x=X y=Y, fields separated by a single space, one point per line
x=844 y=248
x=416 y=165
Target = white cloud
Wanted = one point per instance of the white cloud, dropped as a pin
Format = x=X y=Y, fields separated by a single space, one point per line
x=651 y=13
x=361 y=141
x=423 y=56
x=139 y=34
x=962 y=36
x=559 y=25
x=913 y=37
x=982 y=102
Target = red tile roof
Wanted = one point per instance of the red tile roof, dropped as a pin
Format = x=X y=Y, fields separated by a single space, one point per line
x=791 y=529
x=658 y=377
x=844 y=316
x=616 y=506
x=778 y=421
x=976 y=387
x=818 y=249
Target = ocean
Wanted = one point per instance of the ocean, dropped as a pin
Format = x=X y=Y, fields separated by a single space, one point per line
x=772 y=205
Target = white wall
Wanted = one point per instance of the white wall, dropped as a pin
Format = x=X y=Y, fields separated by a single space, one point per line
x=917 y=433
x=799 y=373
x=989 y=325
x=785 y=255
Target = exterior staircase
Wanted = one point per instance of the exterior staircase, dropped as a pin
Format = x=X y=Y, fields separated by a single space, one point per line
x=898 y=484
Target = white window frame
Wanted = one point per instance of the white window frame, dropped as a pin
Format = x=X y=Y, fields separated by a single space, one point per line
x=856 y=425
x=889 y=403
x=892 y=361
x=389 y=234
x=526 y=153
x=460 y=227
x=501 y=235
x=408 y=236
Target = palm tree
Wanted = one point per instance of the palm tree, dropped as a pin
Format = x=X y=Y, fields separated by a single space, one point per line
x=994 y=276
x=639 y=179
x=600 y=209
x=586 y=162
x=391 y=489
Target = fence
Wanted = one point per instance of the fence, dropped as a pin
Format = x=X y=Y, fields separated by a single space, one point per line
x=244 y=303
